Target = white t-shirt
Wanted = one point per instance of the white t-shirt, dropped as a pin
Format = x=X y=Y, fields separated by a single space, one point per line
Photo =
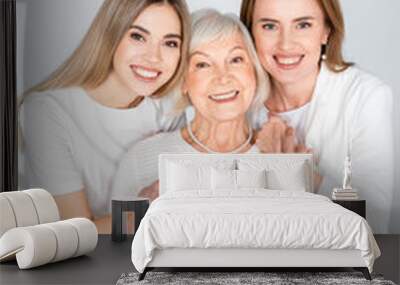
x=71 y=142
x=295 y=118
x=139 y=167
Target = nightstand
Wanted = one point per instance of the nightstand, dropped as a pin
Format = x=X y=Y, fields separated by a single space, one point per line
x=357 y=206
x=127 y=204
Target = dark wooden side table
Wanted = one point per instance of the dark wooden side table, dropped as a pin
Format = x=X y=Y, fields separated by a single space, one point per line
x=119 y=208
x=357 y=206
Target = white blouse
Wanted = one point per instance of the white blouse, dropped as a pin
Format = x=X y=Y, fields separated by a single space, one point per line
x=351 y=113
x=295 y=118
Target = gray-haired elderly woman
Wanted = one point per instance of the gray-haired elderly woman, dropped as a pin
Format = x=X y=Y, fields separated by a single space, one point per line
x=223 y=81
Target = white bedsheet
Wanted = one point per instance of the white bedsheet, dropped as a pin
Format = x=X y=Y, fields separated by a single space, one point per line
x=252 y=218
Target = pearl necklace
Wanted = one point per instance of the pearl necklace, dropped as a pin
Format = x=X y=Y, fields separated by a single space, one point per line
x=193 y=137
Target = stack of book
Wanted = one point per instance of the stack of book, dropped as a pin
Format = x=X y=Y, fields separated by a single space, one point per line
x=344 y=194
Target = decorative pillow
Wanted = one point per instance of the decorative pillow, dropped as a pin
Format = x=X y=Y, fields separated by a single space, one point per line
x=184 y=177
x=251 y=178
x=223 y=179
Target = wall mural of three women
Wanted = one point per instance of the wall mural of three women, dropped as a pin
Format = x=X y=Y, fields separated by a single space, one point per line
x=272 y=80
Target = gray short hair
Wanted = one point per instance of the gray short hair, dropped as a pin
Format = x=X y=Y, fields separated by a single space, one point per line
x=209 y=25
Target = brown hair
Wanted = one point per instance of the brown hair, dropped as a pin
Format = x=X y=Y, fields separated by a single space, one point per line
x=91 y=62
x=334 y=21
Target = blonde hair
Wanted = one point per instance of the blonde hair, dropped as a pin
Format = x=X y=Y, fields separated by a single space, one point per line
x=91 y=62
x=209 y=25
x=333 y=20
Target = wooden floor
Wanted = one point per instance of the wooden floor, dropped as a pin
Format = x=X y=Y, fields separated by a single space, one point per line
x=110 y=260
x=389 y=262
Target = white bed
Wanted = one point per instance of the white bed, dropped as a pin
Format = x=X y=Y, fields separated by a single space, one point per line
x=197 y=223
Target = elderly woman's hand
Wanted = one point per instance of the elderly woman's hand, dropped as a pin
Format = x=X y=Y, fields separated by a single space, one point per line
x=276 y=136
x=269 y=138
x=151 y=191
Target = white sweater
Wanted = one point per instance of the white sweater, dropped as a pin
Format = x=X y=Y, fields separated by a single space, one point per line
x=71 y=142
x=352 y=112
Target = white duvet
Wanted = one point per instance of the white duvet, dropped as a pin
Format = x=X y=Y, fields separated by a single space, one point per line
x=252 y=218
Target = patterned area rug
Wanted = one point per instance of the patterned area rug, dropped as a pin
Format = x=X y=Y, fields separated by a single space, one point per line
x=244 y=278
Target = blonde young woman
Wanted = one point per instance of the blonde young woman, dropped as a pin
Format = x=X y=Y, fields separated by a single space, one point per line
x=329 y=105
x=107 y=96
x=223 y=82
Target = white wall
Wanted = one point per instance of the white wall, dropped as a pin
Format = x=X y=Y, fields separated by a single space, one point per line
x=49 y=30
x=52 y=30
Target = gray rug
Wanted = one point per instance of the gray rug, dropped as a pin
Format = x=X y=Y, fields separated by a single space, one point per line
x=269 y=278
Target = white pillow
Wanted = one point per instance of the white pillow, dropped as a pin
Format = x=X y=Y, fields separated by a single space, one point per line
x=223 y=179
x=281 y=174
x=251 y=178
x=291 y=179
x=184 y=177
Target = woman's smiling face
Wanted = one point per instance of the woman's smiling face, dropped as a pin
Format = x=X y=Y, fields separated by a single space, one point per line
x=288 y=35
x=149 y=53
x=220 y=79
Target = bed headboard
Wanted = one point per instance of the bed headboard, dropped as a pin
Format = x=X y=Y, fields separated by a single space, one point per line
x=271 y=160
